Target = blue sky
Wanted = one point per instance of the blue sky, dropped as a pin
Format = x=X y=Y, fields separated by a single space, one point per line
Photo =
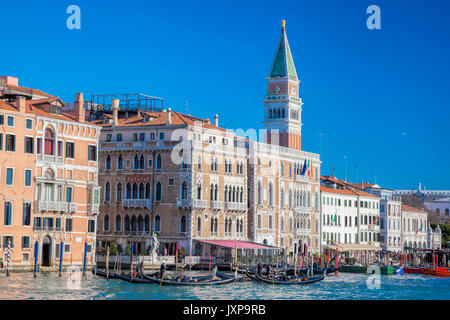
x=380 y=97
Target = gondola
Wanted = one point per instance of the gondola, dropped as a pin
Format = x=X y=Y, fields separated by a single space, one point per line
x=100 y=273
x=188 y=282
x=136 y=279
x=293 y=280
x=228 y=276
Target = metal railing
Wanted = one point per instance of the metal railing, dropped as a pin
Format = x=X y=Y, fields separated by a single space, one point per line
x=136 y=203
x=216 y=205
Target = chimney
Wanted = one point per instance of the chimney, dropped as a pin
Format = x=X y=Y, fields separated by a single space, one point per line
x=115 y=110
x=79 y=107
x=216 y=120
x=332 y=172
x=169 y=116
x=21 y=102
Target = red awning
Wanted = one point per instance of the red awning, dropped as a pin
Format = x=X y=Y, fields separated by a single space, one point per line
x=238 y=244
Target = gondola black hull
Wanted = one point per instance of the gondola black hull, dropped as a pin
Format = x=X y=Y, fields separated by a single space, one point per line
x=190 y=283
x=278 y=282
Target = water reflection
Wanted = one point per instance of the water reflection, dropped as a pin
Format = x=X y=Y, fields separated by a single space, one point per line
x=344 y=286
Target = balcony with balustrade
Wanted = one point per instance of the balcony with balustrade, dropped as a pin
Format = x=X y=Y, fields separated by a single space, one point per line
x=216 y=205
x=235 y=206
x=50 y=158
x=137 y=203
x=68 y=207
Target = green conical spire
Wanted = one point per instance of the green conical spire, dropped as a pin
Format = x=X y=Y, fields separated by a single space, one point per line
x=283 y=65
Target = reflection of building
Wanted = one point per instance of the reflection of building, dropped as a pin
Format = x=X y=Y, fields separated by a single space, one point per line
x=49 y=177
x=415 y=230
x=193 y=181
x=441 y=207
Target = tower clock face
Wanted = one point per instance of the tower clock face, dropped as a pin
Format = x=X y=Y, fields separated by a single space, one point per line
x=276 y=89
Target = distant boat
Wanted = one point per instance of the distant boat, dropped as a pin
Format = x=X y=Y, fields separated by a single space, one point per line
x=398 y=270
x=300 y=280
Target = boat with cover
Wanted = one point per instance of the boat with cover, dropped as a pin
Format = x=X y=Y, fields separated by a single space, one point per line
x=284 y=279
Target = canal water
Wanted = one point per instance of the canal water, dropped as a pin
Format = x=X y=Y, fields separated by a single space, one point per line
x=343 y=286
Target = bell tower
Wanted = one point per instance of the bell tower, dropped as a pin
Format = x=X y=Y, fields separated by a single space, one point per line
x=282 y=105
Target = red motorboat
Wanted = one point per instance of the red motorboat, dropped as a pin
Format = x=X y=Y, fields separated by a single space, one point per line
x=411 y=270
x=439 y=272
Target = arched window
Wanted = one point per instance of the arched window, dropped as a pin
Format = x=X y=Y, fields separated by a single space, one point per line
x=26 y=214
x=211 y=192
x=147 y=191
x=118 y=223
x=135 y=191
x=158 y=162
x=216 y=192
x=49 y=142
x=241 y=195
x=157 y=224
x=140 y=223
x=106 y=223
x=127 y=223
x=290 y=199
x=183 y=224
x=270 y=194
x=136 y=162
x=158 y=193
x=216 y=222
x=107 y=191
x=120 y=162
x=199 y=191
x=147 y=223
x=199 y=225
x=141 y=191
x=128 y=190
x=184 y=191
x=133 y=223
x=108 y=163
x=142 y=162
x=259 y=192
x=237 y=225
x=309 y=199
x=119 y=192
x=225 y=195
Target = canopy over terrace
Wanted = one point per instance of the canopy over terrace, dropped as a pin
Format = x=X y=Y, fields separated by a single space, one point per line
x=224 y=249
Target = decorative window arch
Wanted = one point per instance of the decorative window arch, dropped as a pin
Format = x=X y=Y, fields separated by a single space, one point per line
x=107 y=191
x=127 y=223
x=108 y=163
x=259 y=192
x=141 y=191
x=157 y=224
x=128 y=191
x=140 y=223
x=120 y=162
x=147 y=223
x=133 y=223
x=106 y=223
x=26 y=214
x=183 y=224
x=158 y=162
x=147 y=191
x=158 y=192
x=136 y=162
x=142 y=162
x=135 y=191
x=119 y=192
x=199 y=225
x=118 y=223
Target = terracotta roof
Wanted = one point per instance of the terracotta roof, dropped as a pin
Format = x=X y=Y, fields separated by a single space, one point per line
x=158 y=119
x=27 y=90
x=31 y=107
x=347 y=191
x=409 y=208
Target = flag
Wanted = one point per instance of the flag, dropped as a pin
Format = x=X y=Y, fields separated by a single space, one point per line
x=335 y=217
x=420 y=229
x=309 y=168
x=304 y=168
x=376 y=220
